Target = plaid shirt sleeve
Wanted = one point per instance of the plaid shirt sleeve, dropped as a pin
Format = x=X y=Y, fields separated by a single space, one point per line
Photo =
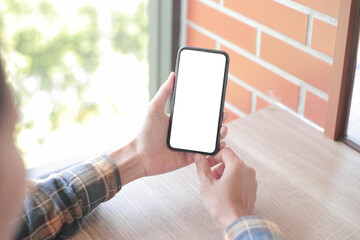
x=54 y=207
x=252 y=228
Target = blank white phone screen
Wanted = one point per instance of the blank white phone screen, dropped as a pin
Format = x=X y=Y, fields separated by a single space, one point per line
x=197 y=103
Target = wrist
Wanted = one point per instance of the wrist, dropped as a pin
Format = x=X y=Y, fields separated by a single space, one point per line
x=127 y=160
x=225 y=221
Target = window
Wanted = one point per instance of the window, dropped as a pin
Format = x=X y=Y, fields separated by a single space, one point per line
x=80 y=73
x=353 y=125
x=343 y=113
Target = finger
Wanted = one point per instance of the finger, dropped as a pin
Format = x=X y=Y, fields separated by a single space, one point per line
x=227 y=156
x=231 y=160
x=252 y=197
x=225 y=116
x=212 y=161
x=217 y=158
x=222 y=145
x=164 y=92
x=223 y=131
x=203 y=169
x=218 y=171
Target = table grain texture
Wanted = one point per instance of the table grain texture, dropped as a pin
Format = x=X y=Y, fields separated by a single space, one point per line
x=307 y=184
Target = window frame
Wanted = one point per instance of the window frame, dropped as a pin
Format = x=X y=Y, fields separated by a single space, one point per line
x=343 y=71
x=164 y=29
x=350 y=85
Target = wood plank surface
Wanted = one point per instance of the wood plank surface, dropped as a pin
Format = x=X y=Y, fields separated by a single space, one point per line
x=307 y=184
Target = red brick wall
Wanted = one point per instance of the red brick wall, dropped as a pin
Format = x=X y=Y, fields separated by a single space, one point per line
x=281 y=51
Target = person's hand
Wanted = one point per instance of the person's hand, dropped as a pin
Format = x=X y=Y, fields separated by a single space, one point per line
x=148 y=154
x=155 y=156
x=229 y=189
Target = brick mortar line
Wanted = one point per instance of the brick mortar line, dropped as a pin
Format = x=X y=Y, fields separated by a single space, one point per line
x=254 y=90
x=258 y=42
x=316 y=92
x=307 y=49
x=307 y=10
x=253 y=101
x=282 y=73
x=221 y=3
x=268 y=30
x=301 y=104
x=290 y=4
x=315 y=17
x=234 y=109
x=217 y=44
x=272 y=101
x=309 y=30
x=312 y=124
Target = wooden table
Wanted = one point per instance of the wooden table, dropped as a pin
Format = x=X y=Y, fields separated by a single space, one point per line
x=308 y=185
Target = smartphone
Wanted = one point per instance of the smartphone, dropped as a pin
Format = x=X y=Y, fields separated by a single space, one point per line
x=198 y=100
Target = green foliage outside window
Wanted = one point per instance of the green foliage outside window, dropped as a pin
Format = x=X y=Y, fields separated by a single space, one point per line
x=45 y=54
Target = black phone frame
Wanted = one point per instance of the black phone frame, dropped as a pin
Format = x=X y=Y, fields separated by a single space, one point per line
x=223 y=94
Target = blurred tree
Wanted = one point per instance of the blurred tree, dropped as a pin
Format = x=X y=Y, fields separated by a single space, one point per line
x=130 y=32
x=61 y=59
x=46 y=57
x=40 y=56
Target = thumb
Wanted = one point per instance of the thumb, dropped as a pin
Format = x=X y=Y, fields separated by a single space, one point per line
x=203 y=169
x=164 y=92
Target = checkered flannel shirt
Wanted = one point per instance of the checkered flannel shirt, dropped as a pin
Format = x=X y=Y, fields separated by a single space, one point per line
x=54 y=207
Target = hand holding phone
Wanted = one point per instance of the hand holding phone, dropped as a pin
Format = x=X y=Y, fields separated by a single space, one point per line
x=198 y=100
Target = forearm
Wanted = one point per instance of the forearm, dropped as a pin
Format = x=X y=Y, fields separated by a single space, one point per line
x=127 y=160
x=56 y=205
